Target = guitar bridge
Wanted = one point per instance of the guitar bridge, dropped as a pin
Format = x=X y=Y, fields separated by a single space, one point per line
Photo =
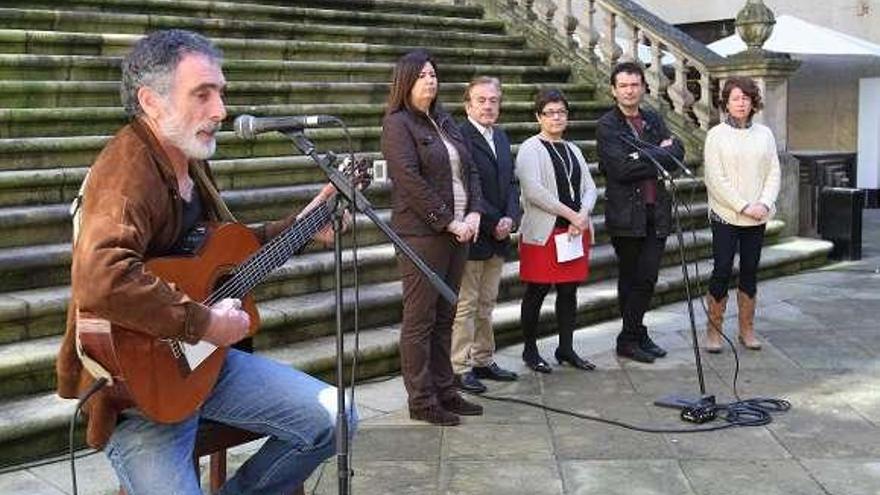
x=177 y=354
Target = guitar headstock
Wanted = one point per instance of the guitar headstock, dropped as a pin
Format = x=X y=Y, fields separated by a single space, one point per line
x=359 y=171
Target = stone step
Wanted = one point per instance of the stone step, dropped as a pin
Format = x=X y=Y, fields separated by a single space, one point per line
x=38 y=42
x=57 y=122
x=73 y=81
x=321 y=26
x=38 y=312
x=32 y=267
x=106 y=69
x=80 y=151
x=50 y=224
x=25 y=365
x=260 y=9
x=343 y=13
x=36 y=425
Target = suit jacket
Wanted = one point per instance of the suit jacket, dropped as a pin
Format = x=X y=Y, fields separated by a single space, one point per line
x=418 y=164
x=499 y=187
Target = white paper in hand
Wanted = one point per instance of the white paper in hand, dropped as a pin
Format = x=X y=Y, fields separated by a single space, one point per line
x=568 y=247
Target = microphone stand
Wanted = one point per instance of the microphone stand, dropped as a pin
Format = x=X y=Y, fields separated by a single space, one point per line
x=678 y=401
x=349 y=197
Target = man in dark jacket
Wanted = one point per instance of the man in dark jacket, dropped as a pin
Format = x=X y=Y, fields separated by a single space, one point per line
x=473 y=341
x=635 y=149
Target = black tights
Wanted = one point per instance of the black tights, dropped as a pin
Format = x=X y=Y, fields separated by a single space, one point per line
x=566 y=313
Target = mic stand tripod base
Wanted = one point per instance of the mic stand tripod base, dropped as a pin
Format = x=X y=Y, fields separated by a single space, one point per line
x=693 y=409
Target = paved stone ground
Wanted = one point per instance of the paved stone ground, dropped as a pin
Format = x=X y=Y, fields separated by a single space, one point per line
x=822 y=353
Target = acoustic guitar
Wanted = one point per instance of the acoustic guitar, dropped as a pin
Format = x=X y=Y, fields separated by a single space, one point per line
x=155 y=375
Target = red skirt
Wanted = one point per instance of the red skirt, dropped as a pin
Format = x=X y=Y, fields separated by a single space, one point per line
x=537 y=264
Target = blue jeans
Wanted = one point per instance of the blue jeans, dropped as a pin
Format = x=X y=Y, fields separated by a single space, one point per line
x=297 y=411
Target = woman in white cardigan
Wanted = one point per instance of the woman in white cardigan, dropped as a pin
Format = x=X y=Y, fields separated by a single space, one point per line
x=742 y=181
x=558 y=195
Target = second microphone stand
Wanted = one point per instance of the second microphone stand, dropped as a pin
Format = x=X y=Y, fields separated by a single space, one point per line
x=679 y=401
x=350 y=197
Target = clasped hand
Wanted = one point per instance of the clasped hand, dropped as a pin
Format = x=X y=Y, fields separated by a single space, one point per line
x=757 y=211
x=465 y=230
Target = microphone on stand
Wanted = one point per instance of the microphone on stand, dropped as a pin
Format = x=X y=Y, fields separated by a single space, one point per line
x=630 y=140
x=247 y=126
x=668 y=153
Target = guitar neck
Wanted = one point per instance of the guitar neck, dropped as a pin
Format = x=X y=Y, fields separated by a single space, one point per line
x=272 y=255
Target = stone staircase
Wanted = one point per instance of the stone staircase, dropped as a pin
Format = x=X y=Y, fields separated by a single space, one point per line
x=59 y=106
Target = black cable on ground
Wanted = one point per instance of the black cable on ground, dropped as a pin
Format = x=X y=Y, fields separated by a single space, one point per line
x=751 y=412
x=96 y=386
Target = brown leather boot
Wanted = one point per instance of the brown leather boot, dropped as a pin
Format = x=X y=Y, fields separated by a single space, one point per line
x=714 y=342
x=746 y=306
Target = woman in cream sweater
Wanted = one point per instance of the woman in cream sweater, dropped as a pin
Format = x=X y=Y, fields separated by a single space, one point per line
x=742 y=181
x=558 y=194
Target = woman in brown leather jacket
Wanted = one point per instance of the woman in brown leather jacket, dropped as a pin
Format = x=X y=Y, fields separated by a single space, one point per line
x=435 y=198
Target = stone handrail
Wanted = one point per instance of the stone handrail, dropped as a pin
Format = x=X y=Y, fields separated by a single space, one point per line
x=595 y=28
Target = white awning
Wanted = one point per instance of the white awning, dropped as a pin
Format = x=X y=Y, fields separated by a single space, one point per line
x=797 y=36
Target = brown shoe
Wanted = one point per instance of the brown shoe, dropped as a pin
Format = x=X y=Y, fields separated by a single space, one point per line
x=714 y=341
x=460 y=406
x=746 y=306
x=435 y=415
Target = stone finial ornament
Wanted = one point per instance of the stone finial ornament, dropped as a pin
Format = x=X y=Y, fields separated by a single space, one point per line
x=754 y=24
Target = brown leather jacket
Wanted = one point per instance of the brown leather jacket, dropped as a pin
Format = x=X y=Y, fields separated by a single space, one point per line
x=418 y=164
x=131 y=212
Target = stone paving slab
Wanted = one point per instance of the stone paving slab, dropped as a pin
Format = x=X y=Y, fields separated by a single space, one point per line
x=845 y=477
x=737 y=476
x=630 y=477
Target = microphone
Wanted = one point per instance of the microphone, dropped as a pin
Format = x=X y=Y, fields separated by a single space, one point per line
x=668 y=153
x=247 y=126
x=630 y=140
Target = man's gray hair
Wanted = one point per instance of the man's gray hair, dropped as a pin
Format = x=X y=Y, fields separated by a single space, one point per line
x=477 y=81
x=154 y=59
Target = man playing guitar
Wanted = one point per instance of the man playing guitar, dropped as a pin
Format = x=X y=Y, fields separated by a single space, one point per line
x=145 y=192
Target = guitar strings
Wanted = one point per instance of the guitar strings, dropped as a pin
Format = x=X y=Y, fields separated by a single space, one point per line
x=273 y=254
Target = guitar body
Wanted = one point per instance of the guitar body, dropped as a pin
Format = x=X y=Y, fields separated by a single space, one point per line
x=147 y=372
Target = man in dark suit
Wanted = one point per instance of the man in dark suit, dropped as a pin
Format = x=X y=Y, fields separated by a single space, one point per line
x=473 y=340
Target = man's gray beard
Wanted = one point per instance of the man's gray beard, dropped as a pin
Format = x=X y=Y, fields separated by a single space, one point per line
x=187 y=143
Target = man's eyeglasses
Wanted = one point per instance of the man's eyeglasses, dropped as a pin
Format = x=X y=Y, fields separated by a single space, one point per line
x=555 y=113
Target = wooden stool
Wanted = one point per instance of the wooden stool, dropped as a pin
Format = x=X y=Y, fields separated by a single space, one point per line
x=213 y=439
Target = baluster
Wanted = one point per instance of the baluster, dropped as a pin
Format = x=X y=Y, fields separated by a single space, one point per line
x=550 y=13
x=633 y=54
x=592 y=32
x=530 y=11
x=571 y=24
x=610 y=48
x=681 y=98
x=657 y=80
x=704 y=109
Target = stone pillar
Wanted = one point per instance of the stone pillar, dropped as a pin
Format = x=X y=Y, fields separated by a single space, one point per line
x=771 y=71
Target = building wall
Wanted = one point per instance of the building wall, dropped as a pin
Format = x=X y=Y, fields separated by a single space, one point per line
x=823 y=102
x=855 y=17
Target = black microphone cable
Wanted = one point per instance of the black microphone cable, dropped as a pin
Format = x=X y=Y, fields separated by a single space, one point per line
x=92 y=390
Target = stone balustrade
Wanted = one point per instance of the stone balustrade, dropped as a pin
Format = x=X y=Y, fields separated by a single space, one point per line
x=679 y=69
